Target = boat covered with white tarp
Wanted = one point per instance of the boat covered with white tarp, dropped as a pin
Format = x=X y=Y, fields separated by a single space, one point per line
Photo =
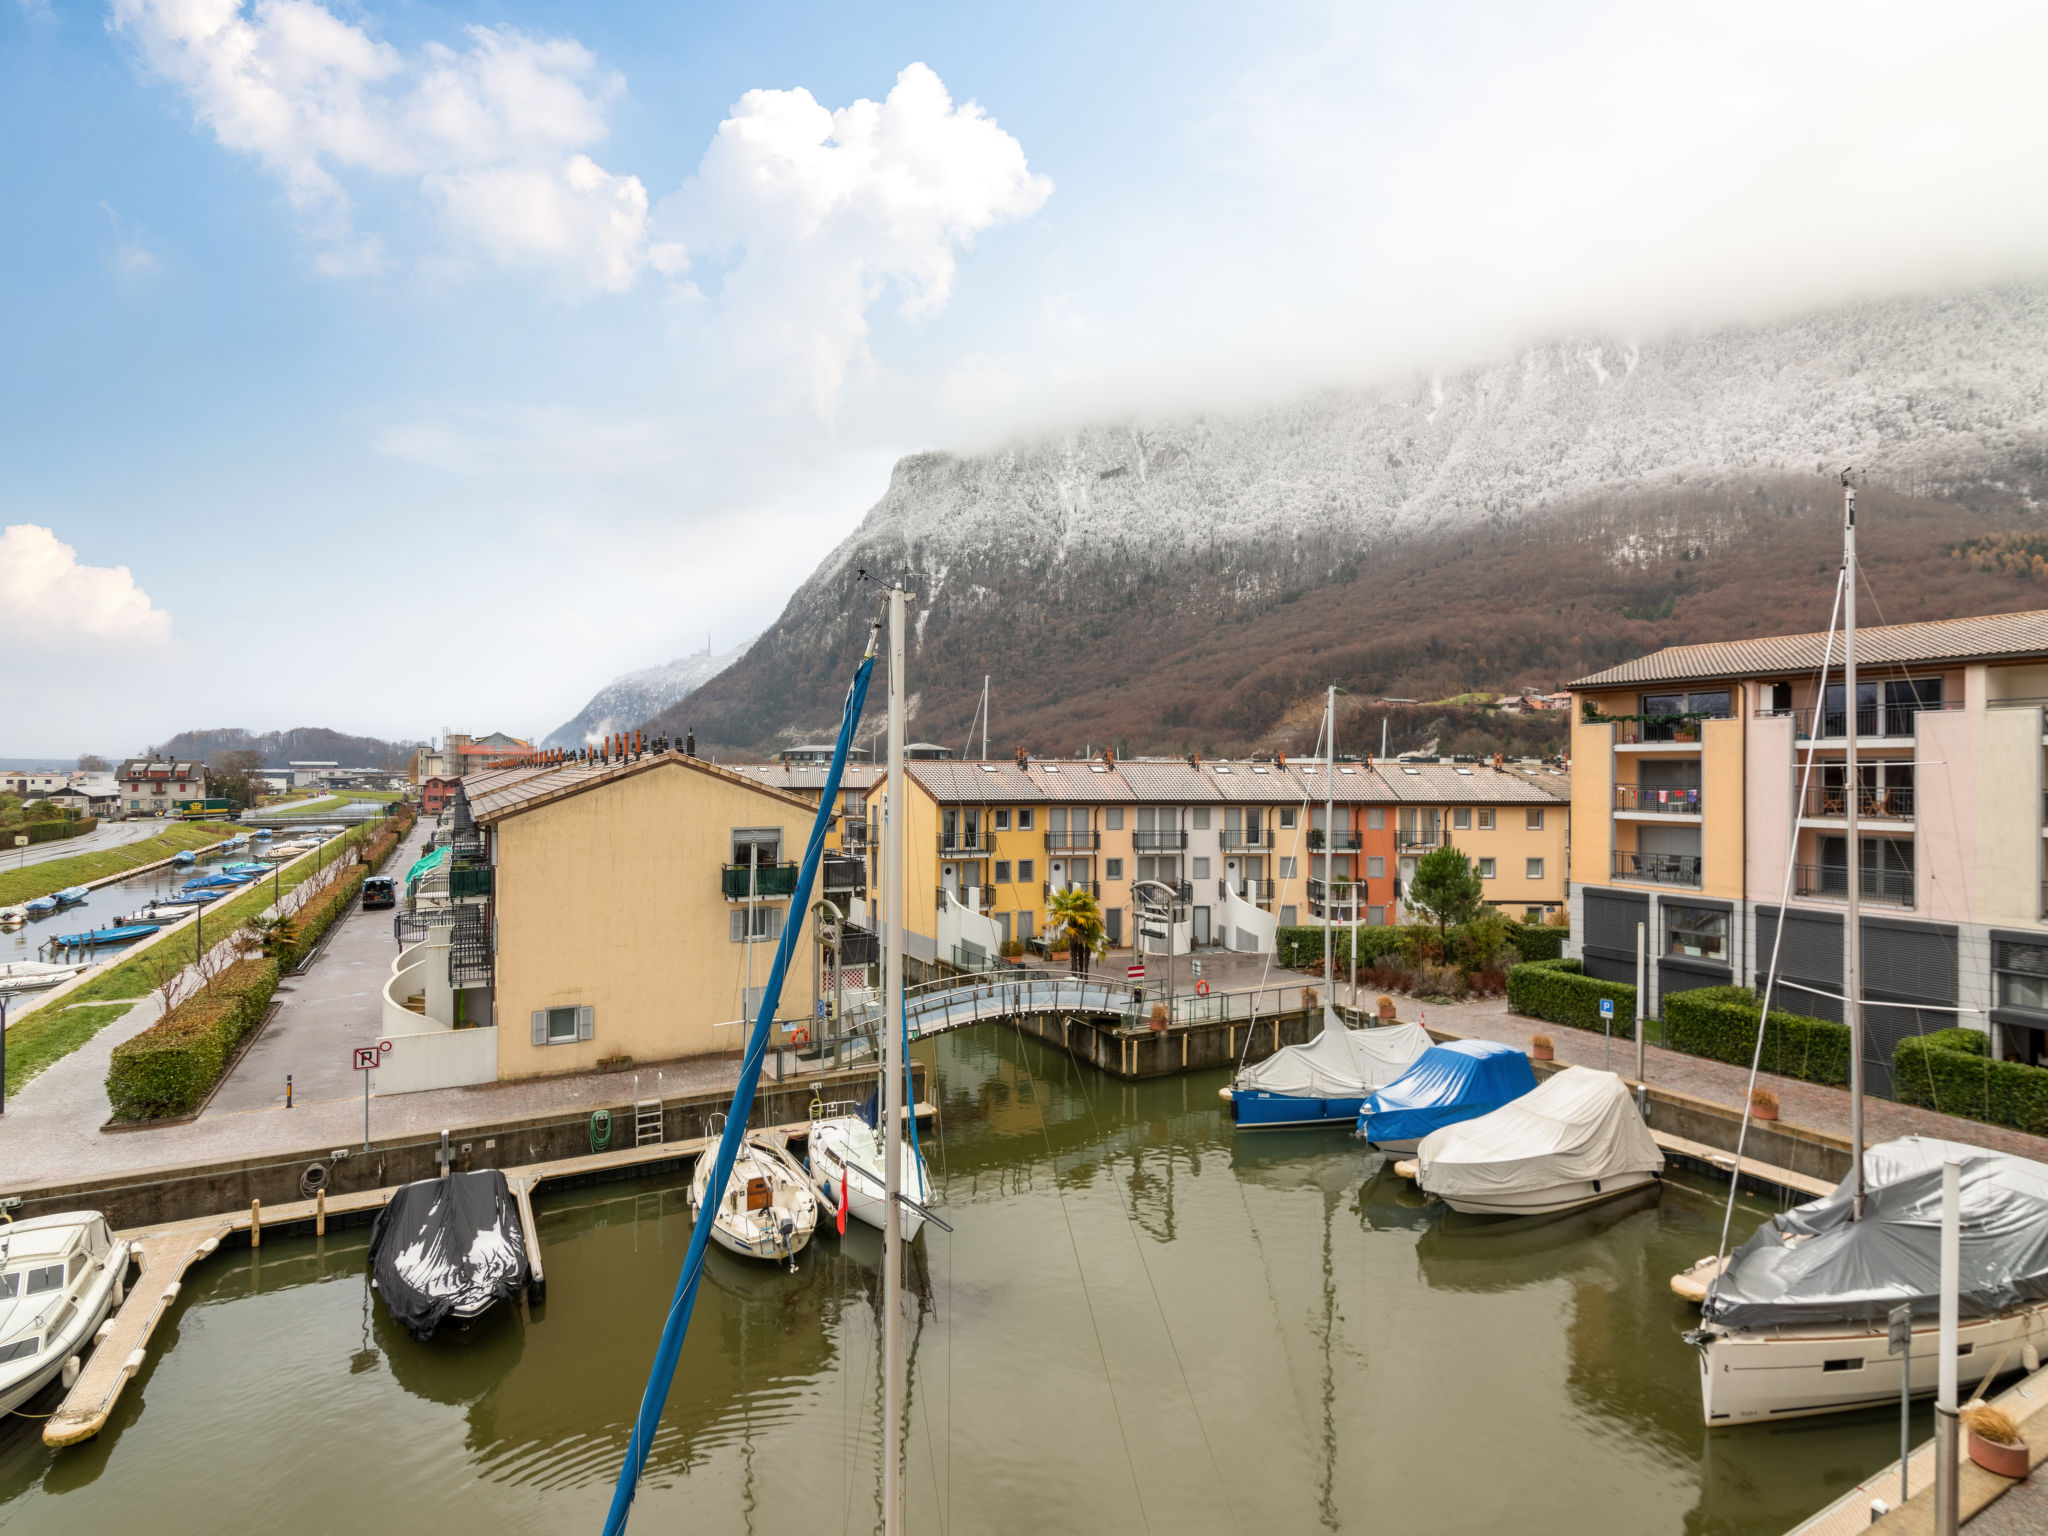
x=1325 y=1081
x=1576 y=1139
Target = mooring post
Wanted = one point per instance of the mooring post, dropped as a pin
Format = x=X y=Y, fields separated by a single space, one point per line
x=255 y=1223
x=320 y=1212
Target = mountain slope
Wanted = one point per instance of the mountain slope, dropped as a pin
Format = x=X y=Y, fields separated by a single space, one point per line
x=1185 y=582
x=626 y=701
x=306 y=744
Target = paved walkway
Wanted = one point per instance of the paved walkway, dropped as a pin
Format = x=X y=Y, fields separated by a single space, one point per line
x=108 y=834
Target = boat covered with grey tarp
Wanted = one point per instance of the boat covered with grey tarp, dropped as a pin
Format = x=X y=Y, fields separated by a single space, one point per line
x=448 y=1247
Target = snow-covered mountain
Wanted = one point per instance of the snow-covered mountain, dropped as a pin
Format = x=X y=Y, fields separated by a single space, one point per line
x=1921 y=394
x=631 y=700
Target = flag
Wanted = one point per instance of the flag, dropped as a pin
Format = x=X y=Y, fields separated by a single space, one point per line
x=841 y=1202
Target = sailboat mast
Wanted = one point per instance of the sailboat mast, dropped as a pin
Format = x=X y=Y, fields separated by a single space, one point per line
x=1329 y=834
x=1852 y=953
x=984 y=717
x=892 y=1093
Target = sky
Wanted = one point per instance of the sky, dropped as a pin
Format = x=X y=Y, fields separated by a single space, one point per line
x=397 y=366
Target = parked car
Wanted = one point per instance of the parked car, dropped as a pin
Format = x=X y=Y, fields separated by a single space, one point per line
x=379 y=892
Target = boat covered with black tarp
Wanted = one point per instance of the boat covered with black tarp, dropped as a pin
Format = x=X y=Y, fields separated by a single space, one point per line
x=448 y=1247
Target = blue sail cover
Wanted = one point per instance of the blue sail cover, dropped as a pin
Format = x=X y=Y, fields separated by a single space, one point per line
x=1457 y=1081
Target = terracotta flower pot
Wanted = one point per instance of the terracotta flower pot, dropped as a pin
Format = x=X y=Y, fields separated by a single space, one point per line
x=1763 y=1111
x=2005 y=1460
x=1542 y=1053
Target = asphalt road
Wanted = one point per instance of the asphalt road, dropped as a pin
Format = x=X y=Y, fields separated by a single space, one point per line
x=108 y=834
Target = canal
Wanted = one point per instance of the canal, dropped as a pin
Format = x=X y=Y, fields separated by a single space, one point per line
x=1142 y=1323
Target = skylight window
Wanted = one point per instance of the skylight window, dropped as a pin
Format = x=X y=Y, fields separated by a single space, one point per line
x=1257 y=769
x=1052 y=767
x=987 y=767
x=1097 y=768
x=1466 y=771
x=1347 y=770
x=1221 y=769
x=1416 y=771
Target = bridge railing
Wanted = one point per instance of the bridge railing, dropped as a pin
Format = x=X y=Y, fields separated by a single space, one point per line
x=954 y=1002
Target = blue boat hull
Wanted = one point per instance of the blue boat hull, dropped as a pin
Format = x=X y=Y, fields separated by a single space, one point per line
x=1256 y=1110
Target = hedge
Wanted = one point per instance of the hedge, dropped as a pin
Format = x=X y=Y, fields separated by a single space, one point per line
x=1946 y=1072
x=1719 y=1023
x=1301 y=949
x=1559 y=992
x=53 y=830
x=1538 y=941
x=167 y=1069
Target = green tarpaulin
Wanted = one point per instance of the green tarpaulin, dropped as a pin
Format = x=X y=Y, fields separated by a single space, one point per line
x=427 y=866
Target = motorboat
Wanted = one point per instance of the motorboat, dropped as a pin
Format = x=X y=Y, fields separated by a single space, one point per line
x=72 y=895
x=42 y=906
x=451 y=1247
x=185 y=858
x=245 y=870
x=126 y=933
x=1327 y=1080
x=1449 y=1083
x=228 y=845
x=848 y=1158
x=213 y=884
x=262 y=834
x=34 y=975
x=768 y=1210
x=13 y=917
x=59 y=1278
x=1575 y=1139
x=161 y=911
x=1796 y=1323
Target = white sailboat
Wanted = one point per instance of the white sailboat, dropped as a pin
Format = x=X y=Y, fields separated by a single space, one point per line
x=767 y=1210
x=847 y=1155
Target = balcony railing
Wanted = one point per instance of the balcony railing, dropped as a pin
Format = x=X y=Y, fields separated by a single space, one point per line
x=1830 y=882
x=976 y=898
x=1238 y=838
x=963 y=845
x=770 y=880
x=1830 y=802
x=853 y=835
x=1341 y=897
x=1658 y=868
x=1343 y=842
x=1259 y=892
x=1872 y=720
x=1667 y=800
x=1092 y=887
x=844 y=875
x=1072 y=842
x=1158 y=842
x=465 y=884
x=1636 y=733
x=1417 y=837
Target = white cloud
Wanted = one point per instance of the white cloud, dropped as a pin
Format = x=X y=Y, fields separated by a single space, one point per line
x=495 y=136
x=47 y=597
x=827 y=209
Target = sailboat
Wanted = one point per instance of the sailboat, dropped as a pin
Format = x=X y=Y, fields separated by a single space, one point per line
x=846 y=1156
x=1795 y=1321
x=768 y=1210
x=1327 y=1080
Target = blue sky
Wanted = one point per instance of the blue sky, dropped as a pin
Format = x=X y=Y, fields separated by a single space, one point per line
x=393 y=366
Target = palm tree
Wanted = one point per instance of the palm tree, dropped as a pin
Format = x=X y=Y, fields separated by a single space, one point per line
x=1074 y=911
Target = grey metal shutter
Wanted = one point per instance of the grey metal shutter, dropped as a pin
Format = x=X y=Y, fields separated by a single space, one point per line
x=1611 y=919
x=1903 y=963
x=586 y=1022
x=737 y=920
x=540 y=1026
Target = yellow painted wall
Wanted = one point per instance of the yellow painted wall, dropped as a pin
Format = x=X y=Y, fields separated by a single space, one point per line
x=1593 y=779
x=1017 y=844
x=921 y=863
x=1721 y=811
x=1511 y=843
x=611 y=898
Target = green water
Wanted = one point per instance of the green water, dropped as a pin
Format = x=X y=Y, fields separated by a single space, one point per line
x=1143 y=1323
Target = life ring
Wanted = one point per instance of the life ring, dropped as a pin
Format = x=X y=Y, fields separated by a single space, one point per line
x=1202 y=987
x=799 y=1037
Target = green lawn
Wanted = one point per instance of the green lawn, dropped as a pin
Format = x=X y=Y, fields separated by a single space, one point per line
x=33 y=880
x=386 y=796
x=43 y=1038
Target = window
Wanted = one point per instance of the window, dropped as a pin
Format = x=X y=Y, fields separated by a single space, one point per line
x=767 y=924
x=1486 y=869
x=1461 y=820
x=1375 y=867
x=562 y=1026
x=1024 y=819
x=1113 y=869
x=1002 y=875
x=1375 y=917
x=1536 y=820
x=20 y=1349
x=1002 y=821
x=764 y=844
x=1113 y=818
x=1286 y=868
x=2022 y=971
x=1700 y=932
x=1533 y=915
x=1376 y=819
x=9 y=1285
x=1535 y=865
x=1027 y=871
x=1286 y=815
x=1198 y=818
x=1289 y=917
x=46 y=1277
x=1486 y=819
x=1201 y=869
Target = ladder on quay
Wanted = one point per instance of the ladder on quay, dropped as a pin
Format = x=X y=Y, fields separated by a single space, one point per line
x=647 y=1114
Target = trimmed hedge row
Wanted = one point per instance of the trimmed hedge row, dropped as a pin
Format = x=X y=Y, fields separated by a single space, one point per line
x=1719 y=1023
x=168 y=1068
x=1559 y=992
x=1945 y=1071
x=1539 y=941
x=1301 y=949
x=56 y=829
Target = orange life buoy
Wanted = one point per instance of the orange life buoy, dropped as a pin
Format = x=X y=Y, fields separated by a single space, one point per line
x=1202 y=988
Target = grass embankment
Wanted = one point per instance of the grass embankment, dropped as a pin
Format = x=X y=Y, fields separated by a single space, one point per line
x=33 y=880
x=382 y=796
x=35 y=1044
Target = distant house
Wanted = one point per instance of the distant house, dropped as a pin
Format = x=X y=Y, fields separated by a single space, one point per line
x=90 y=794
x=41 y=781
x=148 y=785
x=436 y=793
x=311 y=774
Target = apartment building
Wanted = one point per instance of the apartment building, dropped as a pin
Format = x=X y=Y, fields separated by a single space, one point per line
x=1697 y=817
x=149 y=785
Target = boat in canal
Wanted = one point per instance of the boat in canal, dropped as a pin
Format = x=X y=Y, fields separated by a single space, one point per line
x=162 y=910
x=1327 y=1080
x=444 y=1248
x=72 y=895
x=124 y=933
x=768 y=1210
x=245 y=869
x=12 y=918
x=42 y=906
x=1573 y=1141
x=34 y=975
x=1797 y=1323
x=185 y=858
x=848 y=1158
x=59 y=1278
x=1449 y=1083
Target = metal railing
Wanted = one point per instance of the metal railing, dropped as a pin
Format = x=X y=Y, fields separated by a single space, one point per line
x=1830 y=802
x=1092 y=887
x=1888 y=887
x=843 y=874
x=769 y=880
x=976 y=898
x=1417 y=837
x=1681 y=733
x=1872 y=720
x=464 y=884
x=1662 y=800
x=963 y=845
x=1259 y=892
x=1238 y=838
x=1658 y=868
x=955 y=1002
x=1158 y=842
x=852 y=835
x=1072 y=842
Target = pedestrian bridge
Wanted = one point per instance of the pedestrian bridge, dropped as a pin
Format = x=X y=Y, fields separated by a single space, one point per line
x=954 y=1002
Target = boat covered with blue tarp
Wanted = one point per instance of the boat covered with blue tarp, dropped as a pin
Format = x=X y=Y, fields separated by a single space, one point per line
x=126 y=933
x=1459 y=1080
x=1326 y=1080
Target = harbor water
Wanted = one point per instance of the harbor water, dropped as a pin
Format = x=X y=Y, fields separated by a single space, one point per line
x=1142 y=1322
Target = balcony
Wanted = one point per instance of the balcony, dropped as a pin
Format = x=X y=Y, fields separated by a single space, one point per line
x=1258 y=892
x=1658 y=868
x=1343 y=842
x=1660 y=800
x=853 y=836
x=975 y=898
x=1092 y=887
x=859 y=946
x=1409 y=839
x=969 y=844
x=1072 y=842
x=1158 y=842
x=1656 y=733
x=1343 y=897
x=466 y=884
x=1830 y=802
x=843 y=876
x=1873 y=721
x=1236 y=838
x=1830 y=882
x=770 y=880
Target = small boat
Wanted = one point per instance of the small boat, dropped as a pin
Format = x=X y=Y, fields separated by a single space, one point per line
x=768 y=1211
x=1797 y=1323
x=59 y=1278
x=126 y=933
x=263 y=834
x=162 y=911
x=42 y=906
x=185 y=858
x=1576 y=1139
x=213 y=884
x=72 y=895
x=12 y=917
x=245 y=870
x=448 y=1247
x=1459 y=1080
x=848 y=1155
x=1327 y=1080
x=228 y=845
x=34 y=975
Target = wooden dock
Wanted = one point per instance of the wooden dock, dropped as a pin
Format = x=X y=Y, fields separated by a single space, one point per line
x=165 y=1253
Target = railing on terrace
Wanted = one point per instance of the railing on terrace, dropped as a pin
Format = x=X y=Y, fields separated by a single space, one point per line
x=1887 y=887
x=1259 y=892
x=1238 y=838
x=843 y=874
x=976 y=898
x=1343 y=842
x=1159 y=842
x=1666 y=800
x=1830 y=802
x=469 y=948
x=1681 y=733
x=954 y=1002
x=1873 y=721
x=1072 y=842
x=466 y=884
x=1344 y=892
x=1658 y=868
x=853 y=834
x=769 y=880
x=1417 y=837
x=963 y=845
x=1092 y=887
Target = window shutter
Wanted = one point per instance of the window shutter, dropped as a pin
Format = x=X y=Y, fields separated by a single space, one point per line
x=738 y=923
x=586 y=1023
x=775 y=922
x=540 y=1026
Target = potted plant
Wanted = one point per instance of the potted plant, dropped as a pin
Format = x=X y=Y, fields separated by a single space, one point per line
x=1386 y=1008
x=1159 y=1018
x=1308 y=998
x=1542 y=1048
x=1763 y=1104
x=1995 y=1442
